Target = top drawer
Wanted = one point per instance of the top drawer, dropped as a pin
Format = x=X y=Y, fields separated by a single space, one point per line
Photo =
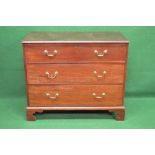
x=74 y=52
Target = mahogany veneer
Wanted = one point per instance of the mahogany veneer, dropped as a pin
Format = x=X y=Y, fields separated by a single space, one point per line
x=75 y=95
x=74 y=52
x=75 y=71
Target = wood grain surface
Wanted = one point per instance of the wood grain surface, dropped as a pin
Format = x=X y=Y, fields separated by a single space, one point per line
x=75 y=53
x=75 y=73
x=75 y=95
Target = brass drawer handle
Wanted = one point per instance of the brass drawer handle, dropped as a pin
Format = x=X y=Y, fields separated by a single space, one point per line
x=51 y=54
x=100 y=54
x=51 y=76
x=99 y=97
x=99 y=75
x=52 y=97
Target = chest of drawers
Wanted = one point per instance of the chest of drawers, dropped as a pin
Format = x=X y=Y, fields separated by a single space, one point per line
x=75 y=71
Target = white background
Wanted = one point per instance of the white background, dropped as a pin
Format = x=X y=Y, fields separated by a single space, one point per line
x=77 y=142
x=77 y=13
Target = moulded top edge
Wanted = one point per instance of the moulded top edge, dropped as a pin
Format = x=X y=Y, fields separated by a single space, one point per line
x=75 y=37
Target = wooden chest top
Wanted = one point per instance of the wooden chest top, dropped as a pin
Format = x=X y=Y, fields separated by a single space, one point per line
x=75 y=37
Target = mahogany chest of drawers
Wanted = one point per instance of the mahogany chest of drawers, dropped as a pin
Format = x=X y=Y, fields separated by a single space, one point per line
x=75 y=71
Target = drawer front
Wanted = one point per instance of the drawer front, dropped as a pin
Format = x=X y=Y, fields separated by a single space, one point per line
x=70 y=53
x=75 y=95
x=75 y=73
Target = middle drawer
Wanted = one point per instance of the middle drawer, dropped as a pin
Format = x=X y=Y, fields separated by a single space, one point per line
x=75 y=73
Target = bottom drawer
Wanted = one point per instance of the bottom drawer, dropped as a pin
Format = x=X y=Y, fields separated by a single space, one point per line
x=75 y=95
